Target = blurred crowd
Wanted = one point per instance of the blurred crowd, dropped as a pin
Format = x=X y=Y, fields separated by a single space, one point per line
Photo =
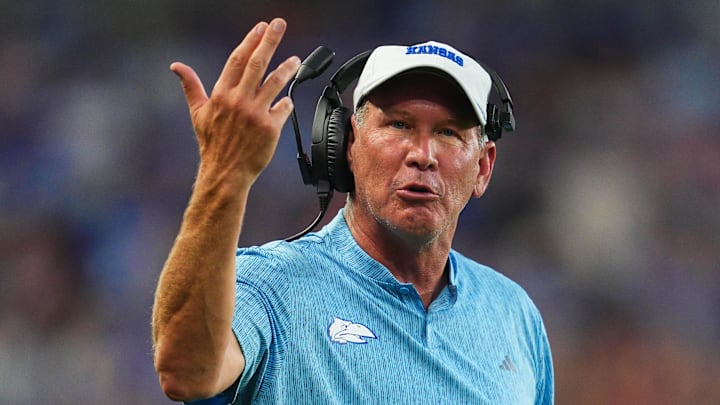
x=604 y=202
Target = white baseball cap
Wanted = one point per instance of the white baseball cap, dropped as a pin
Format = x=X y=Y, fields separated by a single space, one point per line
x=388 y=61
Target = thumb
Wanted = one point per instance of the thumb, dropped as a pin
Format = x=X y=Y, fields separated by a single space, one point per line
x=195 y=94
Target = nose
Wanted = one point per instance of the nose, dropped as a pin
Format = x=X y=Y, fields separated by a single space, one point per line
x=422 y=151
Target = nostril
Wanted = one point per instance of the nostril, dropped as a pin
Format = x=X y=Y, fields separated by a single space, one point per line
x=422 y=157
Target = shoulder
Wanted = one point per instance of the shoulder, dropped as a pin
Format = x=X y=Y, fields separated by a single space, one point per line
x=477 y=272
x=484 y=282
x=277 y=258
x=331 y=243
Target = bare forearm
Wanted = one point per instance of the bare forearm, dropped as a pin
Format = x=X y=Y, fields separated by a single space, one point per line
x=237 y=129
x=195 y=296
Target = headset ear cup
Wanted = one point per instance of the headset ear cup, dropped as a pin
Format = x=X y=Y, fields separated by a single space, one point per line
x=338 y=128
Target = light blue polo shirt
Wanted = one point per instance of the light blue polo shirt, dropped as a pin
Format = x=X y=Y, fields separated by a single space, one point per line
x=321 y=322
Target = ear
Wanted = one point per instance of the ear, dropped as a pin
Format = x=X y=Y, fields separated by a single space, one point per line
x=486 y=163
x=351 y=141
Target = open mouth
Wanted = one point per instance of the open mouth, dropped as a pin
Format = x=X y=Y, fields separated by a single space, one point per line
x=417 y=192
x=419 y=189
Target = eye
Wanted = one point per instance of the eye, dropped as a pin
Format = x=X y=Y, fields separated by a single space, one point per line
x=452 y=136
x=448 y=132
x=398 y=124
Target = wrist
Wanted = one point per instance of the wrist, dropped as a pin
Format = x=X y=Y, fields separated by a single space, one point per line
x=223 y=182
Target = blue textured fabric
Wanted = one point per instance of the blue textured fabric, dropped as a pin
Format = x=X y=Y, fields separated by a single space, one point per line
x=321 y=322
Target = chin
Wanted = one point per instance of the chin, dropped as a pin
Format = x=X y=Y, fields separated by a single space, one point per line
x=416 y=227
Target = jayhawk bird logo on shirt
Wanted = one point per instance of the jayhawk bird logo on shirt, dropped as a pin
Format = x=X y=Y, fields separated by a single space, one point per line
x=342 y=331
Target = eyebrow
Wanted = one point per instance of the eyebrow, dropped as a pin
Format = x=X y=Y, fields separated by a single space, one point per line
x=402 y=113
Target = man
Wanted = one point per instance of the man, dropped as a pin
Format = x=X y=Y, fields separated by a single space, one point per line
x=375 y=307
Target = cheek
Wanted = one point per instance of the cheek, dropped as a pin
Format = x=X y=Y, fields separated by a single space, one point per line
x=371 y=157
x=465 y=175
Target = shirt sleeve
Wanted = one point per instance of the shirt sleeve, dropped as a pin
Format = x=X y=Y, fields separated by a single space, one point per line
x=251 y=327
x=545 y=374
x=258 y=317
x=224 y=398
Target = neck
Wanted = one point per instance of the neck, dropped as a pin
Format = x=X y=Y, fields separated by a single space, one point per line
x=421 y=261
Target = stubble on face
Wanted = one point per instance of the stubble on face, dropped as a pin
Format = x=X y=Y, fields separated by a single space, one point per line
x=380 y=173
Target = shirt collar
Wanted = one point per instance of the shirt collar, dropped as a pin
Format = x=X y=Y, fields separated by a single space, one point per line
x=338 y=232
x=339 y=235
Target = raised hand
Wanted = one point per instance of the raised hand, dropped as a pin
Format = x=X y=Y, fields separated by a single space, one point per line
x=238 y=126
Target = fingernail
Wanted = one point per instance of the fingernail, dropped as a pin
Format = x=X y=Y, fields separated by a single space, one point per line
x=173 y=69
x=294 y=60
x=260 y=29
x=278 y=25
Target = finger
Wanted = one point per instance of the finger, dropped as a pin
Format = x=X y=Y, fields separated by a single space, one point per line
x=235 y=65
x=195 y=94
x=260 y=58
x=282 y=109
x=277 y=80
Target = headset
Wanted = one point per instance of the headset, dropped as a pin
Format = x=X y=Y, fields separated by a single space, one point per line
x=328 y=169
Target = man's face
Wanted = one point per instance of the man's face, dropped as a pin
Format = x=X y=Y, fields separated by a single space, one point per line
x=416 y=157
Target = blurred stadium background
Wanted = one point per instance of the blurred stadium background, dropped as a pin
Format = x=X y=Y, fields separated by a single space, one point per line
x=604 y=204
